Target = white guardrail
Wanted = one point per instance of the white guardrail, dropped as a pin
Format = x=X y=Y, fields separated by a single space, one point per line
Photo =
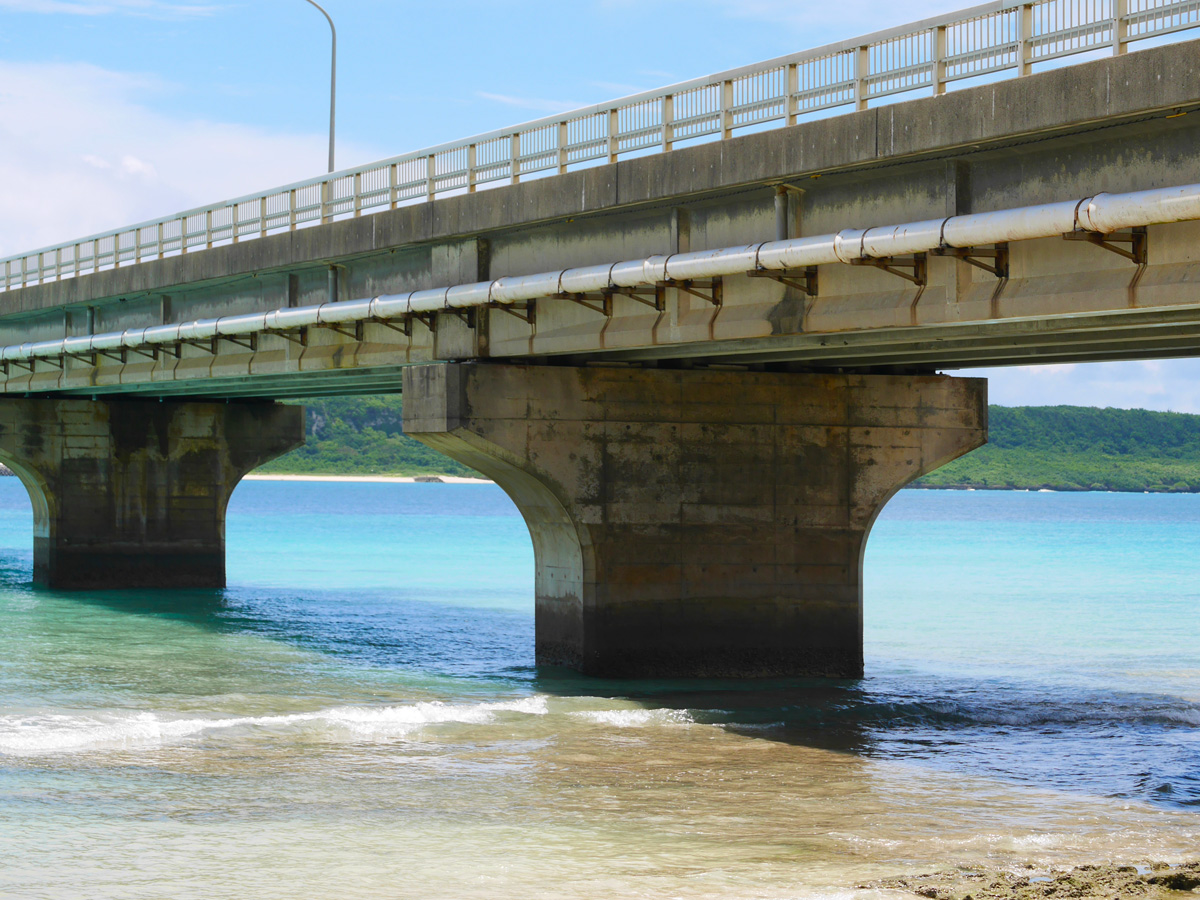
x=927 y=55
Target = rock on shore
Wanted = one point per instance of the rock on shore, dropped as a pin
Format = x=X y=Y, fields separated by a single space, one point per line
x=1157 y=882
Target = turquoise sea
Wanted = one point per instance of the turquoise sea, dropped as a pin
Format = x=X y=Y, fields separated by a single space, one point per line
x=359 y=715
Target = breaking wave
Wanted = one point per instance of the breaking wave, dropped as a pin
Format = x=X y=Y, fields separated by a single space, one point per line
x=73 y=732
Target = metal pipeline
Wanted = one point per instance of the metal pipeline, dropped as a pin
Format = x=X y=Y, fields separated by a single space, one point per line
x=1102 y=213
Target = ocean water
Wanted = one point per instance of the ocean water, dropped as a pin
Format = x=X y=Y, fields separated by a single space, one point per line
x=359 y=714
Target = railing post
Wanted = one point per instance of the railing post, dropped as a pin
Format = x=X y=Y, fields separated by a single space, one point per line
x=471 y=158
x=862 y=68
x=161 y=249
x=24 y=270
x=668 y=122
x=562 y=148
x=515 y=158
x=726 y=109
x=357 y=194
x=208 y=231
x=183 y=235
x=792 y=88
x=77 y=260
x=292 y=210
x=235 y=225
x=393 y=184
x=326 y=212
x=7 y=273
x=1120 y=27
x=1025 y=39
x=96 y=255
x=262 y=216
x=939 y=60
x=613 y=143
x=430 y=177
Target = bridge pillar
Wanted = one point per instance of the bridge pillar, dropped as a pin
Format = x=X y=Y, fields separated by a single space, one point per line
x=132 y=493
x=696 y=522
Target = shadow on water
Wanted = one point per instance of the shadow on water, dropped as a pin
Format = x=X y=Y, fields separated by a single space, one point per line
x=1118 y=745
x=795 y=710
x=1123 y=745
x=363 y=627
x=202 y=608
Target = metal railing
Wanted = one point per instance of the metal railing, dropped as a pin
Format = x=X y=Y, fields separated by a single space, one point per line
x=928 y=55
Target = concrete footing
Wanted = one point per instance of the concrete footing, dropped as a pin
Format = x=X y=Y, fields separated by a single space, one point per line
x=696 y=522
x=132 y=493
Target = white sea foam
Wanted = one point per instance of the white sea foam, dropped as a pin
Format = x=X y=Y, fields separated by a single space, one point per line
x=635 y=718
x=1017 y=843
x=1185 y=715
x=63 y=732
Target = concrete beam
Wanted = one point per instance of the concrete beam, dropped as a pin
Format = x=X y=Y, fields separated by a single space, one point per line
x=696 y=523
x=132 y=493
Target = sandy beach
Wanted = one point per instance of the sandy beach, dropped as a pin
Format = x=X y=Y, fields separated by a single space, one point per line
x=373 y=479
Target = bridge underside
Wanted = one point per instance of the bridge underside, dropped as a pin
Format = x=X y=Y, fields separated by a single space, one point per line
x=377 y=364
x=699 y=465
x=684 y=523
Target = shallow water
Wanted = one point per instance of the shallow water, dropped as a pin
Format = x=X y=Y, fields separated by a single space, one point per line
x=359 y=715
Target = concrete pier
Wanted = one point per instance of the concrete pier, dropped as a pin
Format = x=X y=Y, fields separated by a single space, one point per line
x=696 y=522
x=132 y=493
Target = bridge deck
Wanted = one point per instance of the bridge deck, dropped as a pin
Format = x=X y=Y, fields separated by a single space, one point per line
x=1119 y=124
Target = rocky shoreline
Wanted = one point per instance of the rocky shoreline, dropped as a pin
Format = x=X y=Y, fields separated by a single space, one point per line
x=1159 y=881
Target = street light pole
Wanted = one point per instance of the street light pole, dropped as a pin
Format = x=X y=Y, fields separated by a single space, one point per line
x=332 y=80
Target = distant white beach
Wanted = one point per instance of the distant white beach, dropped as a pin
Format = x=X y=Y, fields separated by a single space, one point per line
x=374 y=479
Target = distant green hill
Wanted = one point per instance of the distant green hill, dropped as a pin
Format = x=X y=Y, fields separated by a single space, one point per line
x=1079 y=448
x=360 y=436
x=1058 y=447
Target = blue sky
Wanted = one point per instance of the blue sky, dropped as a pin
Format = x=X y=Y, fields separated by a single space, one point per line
x=113 y=111
x=413 y=74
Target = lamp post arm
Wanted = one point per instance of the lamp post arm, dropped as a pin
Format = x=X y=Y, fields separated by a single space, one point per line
x=332 y=79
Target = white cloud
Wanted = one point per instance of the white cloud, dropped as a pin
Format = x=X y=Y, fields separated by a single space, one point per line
x=848 y=19
x=534 y=103
x=80 y=153
x=148 y=8
x=815 y=23
x=620 y=88
x=1152 y=384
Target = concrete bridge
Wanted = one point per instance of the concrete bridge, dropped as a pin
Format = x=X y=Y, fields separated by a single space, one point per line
x=699 y=373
